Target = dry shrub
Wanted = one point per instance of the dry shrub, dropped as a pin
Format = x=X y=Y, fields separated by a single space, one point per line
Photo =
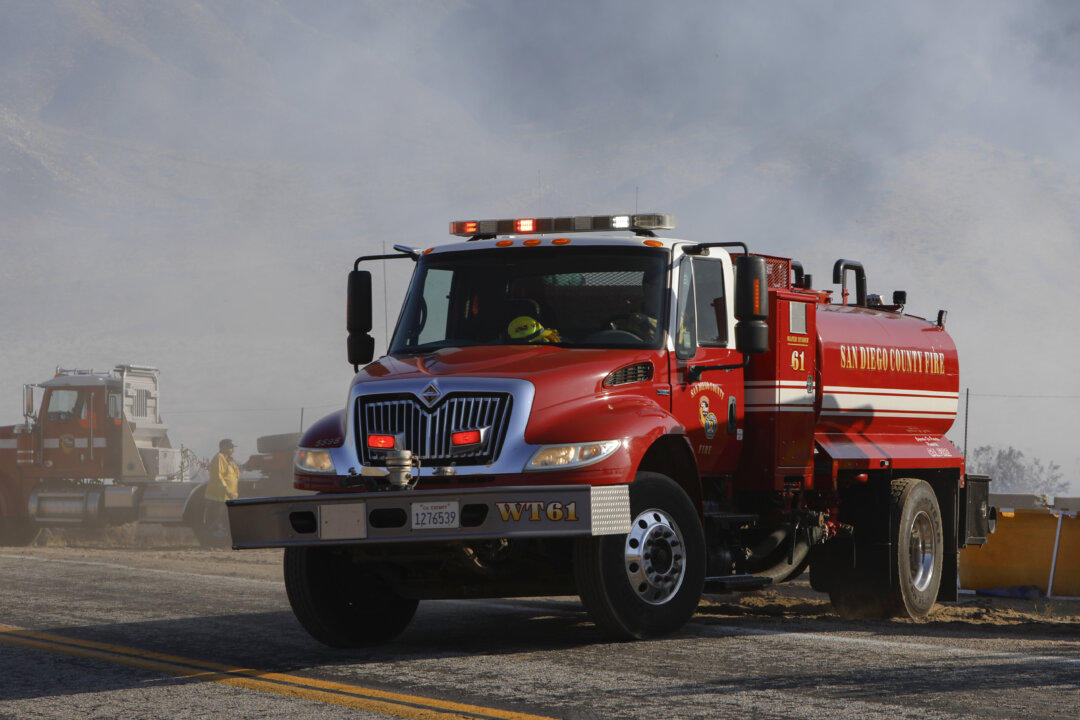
x=129 y=535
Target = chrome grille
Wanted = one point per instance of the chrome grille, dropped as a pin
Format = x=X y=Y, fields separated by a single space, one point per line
x=426 y=431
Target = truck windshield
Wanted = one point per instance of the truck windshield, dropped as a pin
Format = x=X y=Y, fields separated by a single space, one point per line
x=571 y=297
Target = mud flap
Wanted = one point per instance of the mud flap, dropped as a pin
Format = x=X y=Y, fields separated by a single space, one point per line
x=842 y=564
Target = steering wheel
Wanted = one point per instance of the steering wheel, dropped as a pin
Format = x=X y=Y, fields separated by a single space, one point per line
x=629 y=323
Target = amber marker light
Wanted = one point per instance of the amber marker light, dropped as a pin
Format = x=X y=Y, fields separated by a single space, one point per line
x=504 y=243
x=313 y=461
x=532 y=242
x=561 y=241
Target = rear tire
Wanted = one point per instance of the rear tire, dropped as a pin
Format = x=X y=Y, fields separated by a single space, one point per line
x=342 y=603
x=919 y=546
x=917 y=552
x=648 y=582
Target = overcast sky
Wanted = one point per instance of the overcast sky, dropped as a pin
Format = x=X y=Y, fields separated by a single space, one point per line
x=186 y=185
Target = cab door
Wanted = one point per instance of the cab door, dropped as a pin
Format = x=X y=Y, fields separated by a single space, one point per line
x=711 y=407
x=72 y=442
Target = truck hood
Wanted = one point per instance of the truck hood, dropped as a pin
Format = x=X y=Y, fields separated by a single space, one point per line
x=558 y=374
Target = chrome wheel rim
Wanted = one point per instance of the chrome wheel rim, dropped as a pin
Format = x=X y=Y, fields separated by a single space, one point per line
x=653 y=555
x=922 y=550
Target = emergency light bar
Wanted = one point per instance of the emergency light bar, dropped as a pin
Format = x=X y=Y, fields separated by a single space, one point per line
x=642 y=224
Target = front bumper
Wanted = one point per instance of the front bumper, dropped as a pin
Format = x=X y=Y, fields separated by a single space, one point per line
x=425 y=515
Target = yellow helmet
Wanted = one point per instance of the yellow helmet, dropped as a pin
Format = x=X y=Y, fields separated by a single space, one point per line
x=524 y=328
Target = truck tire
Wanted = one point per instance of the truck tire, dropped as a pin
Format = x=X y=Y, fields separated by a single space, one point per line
x=18 y=531
x=915 y=558
x=919 y=548
x=340 y=602
x=648 y=582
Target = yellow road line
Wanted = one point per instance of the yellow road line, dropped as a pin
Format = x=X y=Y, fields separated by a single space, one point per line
x=334 y=693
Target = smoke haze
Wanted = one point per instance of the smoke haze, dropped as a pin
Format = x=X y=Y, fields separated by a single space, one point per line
x=186 y=184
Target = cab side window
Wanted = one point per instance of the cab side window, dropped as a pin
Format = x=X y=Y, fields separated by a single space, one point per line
x=711 y=307
x=702 y=313
x=686 y=330
x=116 y=406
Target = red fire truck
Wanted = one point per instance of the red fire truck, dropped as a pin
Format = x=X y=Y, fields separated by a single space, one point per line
x=97 y=453
x=575 y=405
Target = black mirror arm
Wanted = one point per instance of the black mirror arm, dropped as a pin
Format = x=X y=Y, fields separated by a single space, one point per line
x=395 y=256
x=693 y=372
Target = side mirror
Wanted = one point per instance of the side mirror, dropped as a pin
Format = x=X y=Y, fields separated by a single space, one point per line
x=361 y=346
x=751 y=305
x=28 y=401
x=361 y=349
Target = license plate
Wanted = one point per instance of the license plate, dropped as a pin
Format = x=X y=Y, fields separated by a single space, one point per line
x=435 y=515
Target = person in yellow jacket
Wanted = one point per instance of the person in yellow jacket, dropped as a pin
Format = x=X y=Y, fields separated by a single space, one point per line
x=223 y=485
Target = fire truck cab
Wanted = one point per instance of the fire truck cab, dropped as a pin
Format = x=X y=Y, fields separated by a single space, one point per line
x=83 y=413
x=95 y=452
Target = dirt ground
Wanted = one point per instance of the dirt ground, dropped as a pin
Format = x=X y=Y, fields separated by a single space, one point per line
x=175 y=549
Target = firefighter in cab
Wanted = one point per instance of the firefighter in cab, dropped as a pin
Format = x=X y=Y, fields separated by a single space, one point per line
x=527 y=329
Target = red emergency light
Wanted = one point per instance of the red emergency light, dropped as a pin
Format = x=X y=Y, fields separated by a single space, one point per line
x=381 y=442
x=465 y=437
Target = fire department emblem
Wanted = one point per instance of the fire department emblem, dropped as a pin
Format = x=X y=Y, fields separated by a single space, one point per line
x=67 y=443
x=708 y=419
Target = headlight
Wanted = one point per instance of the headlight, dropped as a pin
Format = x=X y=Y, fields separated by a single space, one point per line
x=313 y=461
x=554 y=457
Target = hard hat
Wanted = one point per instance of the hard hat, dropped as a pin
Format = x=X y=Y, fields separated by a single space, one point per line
x=524 y=328
x=226 y=443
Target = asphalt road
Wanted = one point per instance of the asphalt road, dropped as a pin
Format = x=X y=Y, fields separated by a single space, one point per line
x=196 y=634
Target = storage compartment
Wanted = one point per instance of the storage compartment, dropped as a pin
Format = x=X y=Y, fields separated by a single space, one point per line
x=160 y=462
x=976 y=514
